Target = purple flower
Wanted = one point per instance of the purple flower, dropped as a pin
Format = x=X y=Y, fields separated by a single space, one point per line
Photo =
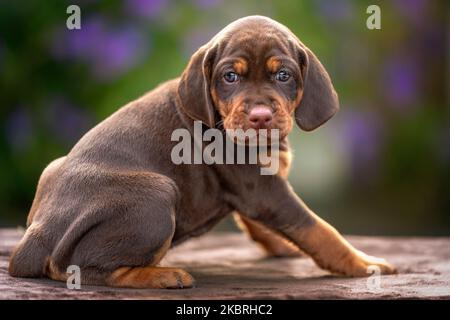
x=19 y=129
x=80 y=44
x=363 y=138
x=400 y=81
x=108 y=50
x=66 y=121
x=146 y=8
x=335 y=11
x=119 y=52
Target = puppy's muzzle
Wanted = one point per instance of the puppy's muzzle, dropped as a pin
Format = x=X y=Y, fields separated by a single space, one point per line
x=260 y=117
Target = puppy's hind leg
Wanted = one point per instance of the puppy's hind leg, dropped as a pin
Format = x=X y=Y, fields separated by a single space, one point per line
x=132 y=231
x=29 y=257
x=44 y=186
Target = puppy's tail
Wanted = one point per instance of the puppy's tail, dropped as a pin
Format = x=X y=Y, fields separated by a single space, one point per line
x=29 y=259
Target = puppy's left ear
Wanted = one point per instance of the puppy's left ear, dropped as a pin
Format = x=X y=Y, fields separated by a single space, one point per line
x=319 y=101
x=194 y=87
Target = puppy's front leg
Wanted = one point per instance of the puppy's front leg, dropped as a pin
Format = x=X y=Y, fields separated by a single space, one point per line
x=332 y=252
x=287 y=214
x=274 y=244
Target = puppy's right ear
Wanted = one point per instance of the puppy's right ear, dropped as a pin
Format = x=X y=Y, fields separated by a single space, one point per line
x=194 y=86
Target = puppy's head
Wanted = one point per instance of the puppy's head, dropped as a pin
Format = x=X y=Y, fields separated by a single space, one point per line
x=255 y=73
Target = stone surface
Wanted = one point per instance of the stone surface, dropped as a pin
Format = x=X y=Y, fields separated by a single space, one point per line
x=229 y=266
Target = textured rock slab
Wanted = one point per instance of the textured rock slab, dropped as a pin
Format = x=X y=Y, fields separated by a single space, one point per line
x=229 y=266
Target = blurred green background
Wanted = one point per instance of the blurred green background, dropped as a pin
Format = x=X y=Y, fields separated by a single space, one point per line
x=381 y=166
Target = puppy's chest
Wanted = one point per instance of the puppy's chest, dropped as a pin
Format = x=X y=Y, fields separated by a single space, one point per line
x=209 y=193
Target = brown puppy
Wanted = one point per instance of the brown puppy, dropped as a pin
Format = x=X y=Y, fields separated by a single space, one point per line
x=116 y=203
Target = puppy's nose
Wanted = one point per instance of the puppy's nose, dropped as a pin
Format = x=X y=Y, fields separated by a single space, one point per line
x=260 y=117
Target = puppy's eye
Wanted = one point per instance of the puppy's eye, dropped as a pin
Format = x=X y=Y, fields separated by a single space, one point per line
x=231 y=77
x=282 y=75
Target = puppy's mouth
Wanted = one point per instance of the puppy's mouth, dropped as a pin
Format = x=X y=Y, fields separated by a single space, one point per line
x=259 y=126
x=251 y=137
x=243 y=134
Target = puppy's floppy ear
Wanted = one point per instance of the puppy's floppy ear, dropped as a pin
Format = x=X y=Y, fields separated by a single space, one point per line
x=194 y=86
x=319 y=101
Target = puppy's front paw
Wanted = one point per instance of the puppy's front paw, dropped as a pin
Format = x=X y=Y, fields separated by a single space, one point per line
x=363 y=265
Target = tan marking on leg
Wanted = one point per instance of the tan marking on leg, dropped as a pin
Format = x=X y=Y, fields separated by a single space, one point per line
x=274 y=244
x=53 y=272
x=150 y=277
x=332 y=252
